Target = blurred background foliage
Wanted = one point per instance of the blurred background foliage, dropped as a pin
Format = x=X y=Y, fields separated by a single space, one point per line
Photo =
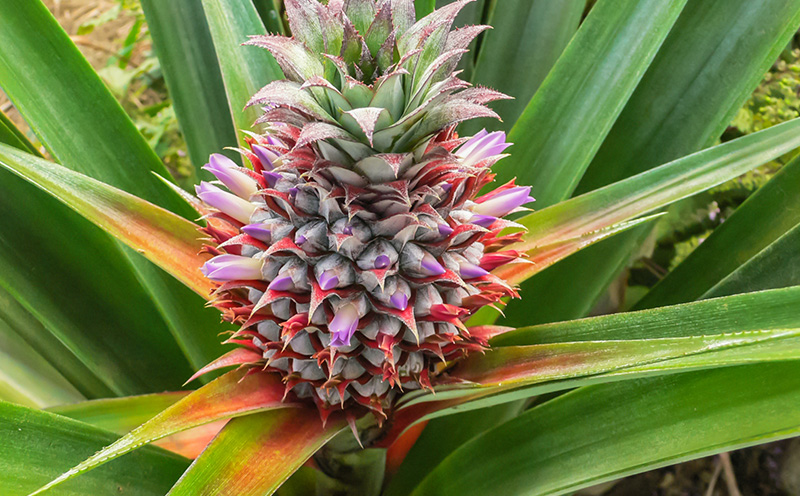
x=114 y=37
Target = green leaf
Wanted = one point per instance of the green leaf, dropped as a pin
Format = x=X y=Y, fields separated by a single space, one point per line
x=776 y=266
x=245 y=70
x=119 y=415
x=514 y=372
x=424 y=7
x=743 y=235
x=50 y=267
x=527 y=35
x=564 y=124
x=711 y=61
x=648 y=191
x=597 y=433
x=268 y=448
x=10 y=135
x=183 y=43
x=28 y=378
x=605 y=339
x=57 y=87
x=164 y=238
x=37 y=444
x=233 y=394
x=441 y=437
x=122 y=415
x=270 y=14
x=773 y=309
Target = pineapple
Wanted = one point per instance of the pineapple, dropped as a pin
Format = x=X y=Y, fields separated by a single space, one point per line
x=357 y=245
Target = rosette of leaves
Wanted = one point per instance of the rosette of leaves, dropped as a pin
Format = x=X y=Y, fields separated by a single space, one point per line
x=354 y=189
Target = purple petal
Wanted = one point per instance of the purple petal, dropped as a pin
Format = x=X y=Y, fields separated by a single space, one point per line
x=482 y=220
x=482 y=146
x=504 y=202
x=258 y=231
x=431 y=266
x=225 y=202
x=471 y=271
x=399 y=300
x=231 y=176
x=232 y=268
x=382 y=261
x=343 y=325
x=328 y=280
x=300 y=239
x=272 y=178
x=348 y=229
x=281 y=283
x=445 y=230
x=265 y=156
x=469 y=145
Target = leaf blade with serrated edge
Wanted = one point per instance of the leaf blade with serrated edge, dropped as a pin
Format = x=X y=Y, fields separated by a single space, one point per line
x=166 y=239
x=233 y=394
x=269 y=447
x=650 y=190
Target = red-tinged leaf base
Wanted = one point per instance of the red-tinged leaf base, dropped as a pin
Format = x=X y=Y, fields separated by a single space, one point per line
x=236 y=393
x=255 y=454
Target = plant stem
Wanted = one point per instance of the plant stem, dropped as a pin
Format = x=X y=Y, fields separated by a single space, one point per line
x=347 y=469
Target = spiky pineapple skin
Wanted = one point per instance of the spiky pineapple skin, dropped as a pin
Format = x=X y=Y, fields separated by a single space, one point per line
x=366 y=243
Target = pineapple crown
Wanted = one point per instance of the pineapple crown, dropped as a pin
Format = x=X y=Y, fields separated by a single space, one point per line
x=354 y=249
x=367 y=77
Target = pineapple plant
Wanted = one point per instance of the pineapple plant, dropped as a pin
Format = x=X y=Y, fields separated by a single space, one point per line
x=394 y=295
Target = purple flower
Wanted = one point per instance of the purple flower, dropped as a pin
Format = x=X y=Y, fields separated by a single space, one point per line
x=266 y=156
x=225 y=202
x=399 y=300
x=482 y=146
x=328 y=280
x=343 y=325
x=231 y=176
x=503 y=202
x=224 y=268
x=431 y=266
x=471 y=271
x=281 y=283
x=258 y=231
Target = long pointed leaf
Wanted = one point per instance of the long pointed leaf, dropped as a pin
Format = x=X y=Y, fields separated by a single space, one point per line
x=189 y=62
x=566 y=121
x=19 y=321
x=28 y=378
x=739 y=315
x=650 y=190
x=50 y=268
x=773 y=309
x=268 y=448
x=596 y=434
x=245 y=70
x=35 y=443
x=233 y=394
x=738 y=239
x=711 y=61
x=528 y=35
x=11 y=135
x=776 y=266
x=166 y=239
x=122 y=415
x=57 y=86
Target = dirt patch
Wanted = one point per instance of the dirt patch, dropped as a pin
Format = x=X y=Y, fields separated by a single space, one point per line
x=98 y=46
